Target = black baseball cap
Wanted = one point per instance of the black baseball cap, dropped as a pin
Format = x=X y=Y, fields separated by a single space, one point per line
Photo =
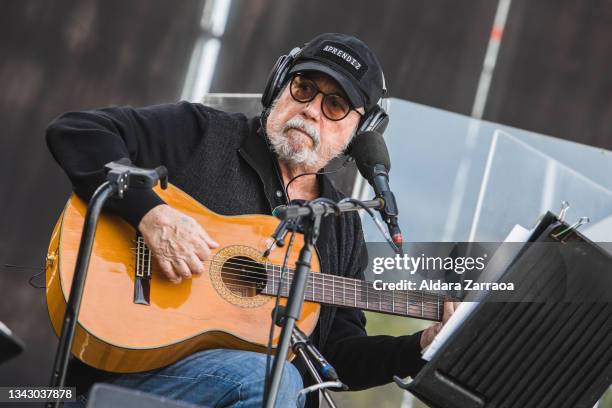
x=349 y=61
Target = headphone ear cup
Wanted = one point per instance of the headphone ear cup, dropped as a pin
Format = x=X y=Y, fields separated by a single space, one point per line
x=277 y=77
x=379 y=124
x=268 y=94
x=376 y=120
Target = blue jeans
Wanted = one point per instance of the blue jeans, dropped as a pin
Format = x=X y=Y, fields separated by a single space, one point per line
x=215 y=378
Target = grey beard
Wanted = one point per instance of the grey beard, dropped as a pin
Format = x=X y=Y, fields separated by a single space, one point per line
x=282 y=146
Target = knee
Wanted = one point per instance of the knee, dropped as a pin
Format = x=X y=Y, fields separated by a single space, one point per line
x=290 y=386
x=252 y=392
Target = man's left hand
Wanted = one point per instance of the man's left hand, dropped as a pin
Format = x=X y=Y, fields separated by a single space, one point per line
x=429 y=333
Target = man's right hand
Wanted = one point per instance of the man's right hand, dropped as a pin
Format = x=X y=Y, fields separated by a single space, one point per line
x=179 y=244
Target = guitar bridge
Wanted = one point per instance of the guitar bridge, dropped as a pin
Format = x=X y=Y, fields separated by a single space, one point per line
x=142 y=278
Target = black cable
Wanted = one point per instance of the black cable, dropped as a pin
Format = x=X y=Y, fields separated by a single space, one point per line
x=31 y=280
x=275 y=310
x=33 y=284
x=328 y=202
x=378 y=224
x=346 y=161
x=359 y=203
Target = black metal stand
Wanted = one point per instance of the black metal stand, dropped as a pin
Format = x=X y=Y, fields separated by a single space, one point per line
x=526 y=353
x=310 y=220
x=293 y=308
x=120 y=177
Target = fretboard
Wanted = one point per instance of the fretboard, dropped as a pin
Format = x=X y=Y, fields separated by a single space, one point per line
x=355 y=293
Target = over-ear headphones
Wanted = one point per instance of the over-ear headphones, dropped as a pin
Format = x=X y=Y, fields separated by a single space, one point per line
x=278 y=76
x=376 y=119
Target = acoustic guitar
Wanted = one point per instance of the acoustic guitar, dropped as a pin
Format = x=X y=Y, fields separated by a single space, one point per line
x=133 y=319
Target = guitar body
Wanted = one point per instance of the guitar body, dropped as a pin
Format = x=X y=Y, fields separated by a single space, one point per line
x=116 y=333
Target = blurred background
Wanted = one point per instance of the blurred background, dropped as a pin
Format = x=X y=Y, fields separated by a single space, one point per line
x=500 y=109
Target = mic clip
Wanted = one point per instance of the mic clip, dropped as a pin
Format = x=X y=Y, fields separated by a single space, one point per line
x=279 y=234
x=278 y=237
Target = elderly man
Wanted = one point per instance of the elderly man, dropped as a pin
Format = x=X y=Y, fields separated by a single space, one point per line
x=235 y=165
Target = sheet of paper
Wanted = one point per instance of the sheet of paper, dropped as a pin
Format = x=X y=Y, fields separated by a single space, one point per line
x=494 y=268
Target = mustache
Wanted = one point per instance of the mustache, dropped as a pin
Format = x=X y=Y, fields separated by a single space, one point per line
x=301 y=124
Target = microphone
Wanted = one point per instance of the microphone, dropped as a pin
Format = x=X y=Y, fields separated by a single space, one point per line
x=372 y=158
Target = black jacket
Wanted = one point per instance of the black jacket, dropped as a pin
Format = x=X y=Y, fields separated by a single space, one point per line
x=224 y=161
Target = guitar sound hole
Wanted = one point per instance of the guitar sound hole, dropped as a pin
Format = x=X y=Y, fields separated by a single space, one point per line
x=243 y=276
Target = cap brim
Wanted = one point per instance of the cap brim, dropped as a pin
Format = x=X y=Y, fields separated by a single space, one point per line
x=349 y=88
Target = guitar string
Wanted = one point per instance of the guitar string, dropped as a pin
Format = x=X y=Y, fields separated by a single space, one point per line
x=329 y=280
x=383 y=296
x=325 y=277
x=429 y=305
x=263 y=267
x=324 y=282
x=339 y=290
x=409 y=308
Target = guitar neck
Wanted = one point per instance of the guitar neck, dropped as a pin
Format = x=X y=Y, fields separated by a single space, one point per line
x=354 y=293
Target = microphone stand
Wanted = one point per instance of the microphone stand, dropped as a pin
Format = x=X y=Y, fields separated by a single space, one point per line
x=309 y=216
x=121 y=176
x=326 y=208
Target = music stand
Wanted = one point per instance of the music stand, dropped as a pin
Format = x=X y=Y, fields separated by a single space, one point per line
x=526 y=354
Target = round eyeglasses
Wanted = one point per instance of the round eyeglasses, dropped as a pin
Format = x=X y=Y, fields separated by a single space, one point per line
x=334 y=106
